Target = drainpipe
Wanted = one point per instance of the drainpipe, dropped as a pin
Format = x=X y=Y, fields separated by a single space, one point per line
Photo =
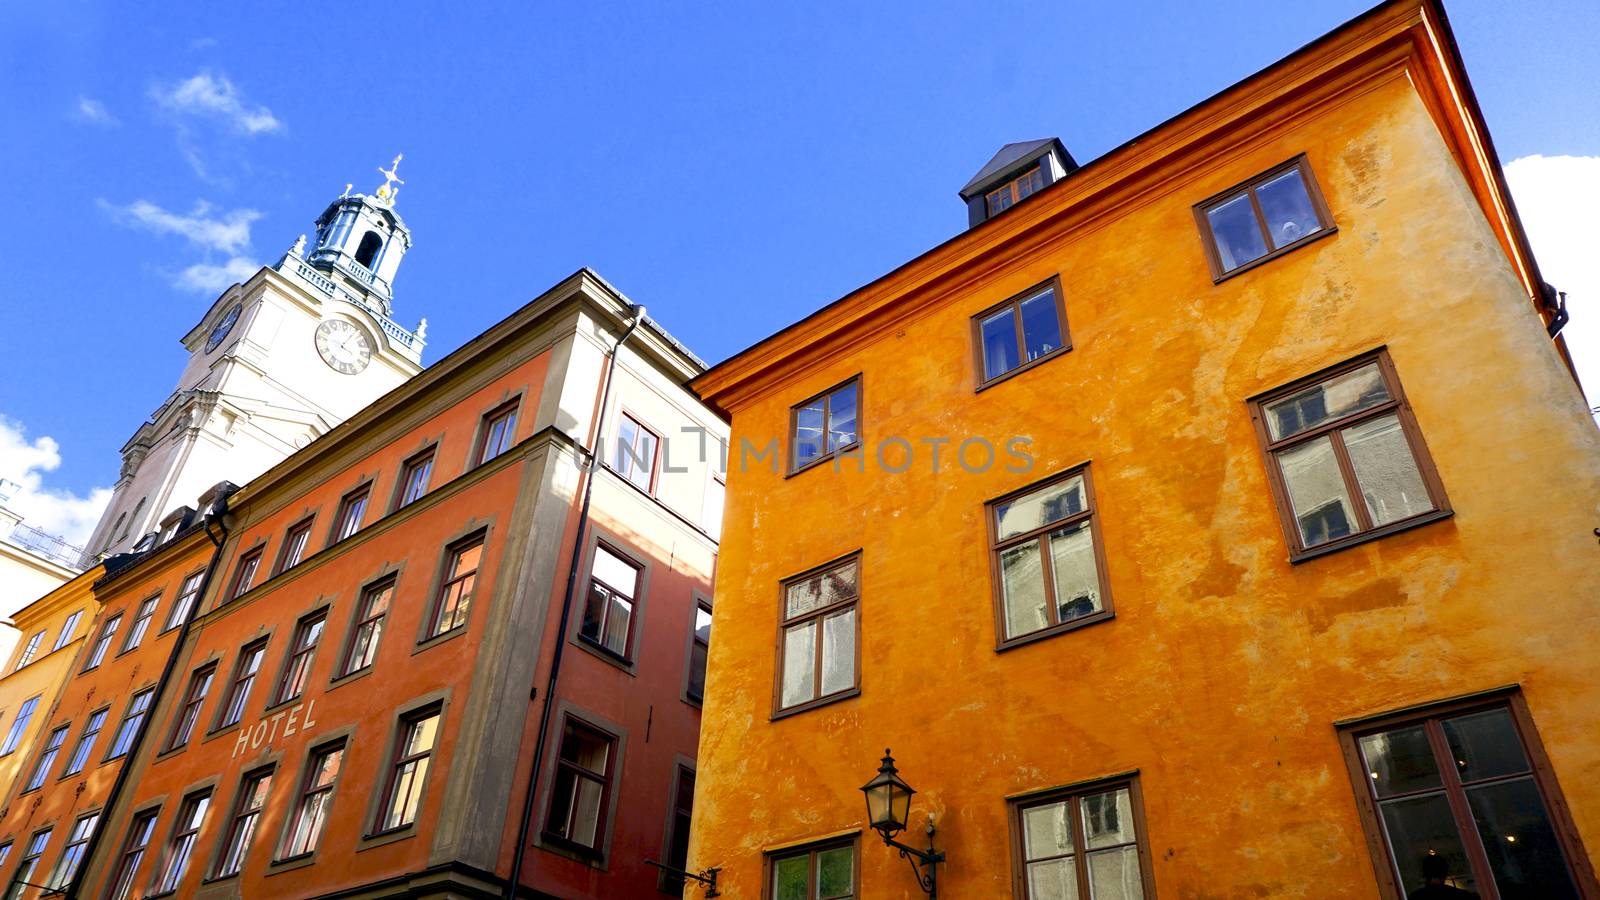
x=526 y=823
x=214 y=516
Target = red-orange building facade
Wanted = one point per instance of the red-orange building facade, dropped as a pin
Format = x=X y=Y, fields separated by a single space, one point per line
x=397 y=617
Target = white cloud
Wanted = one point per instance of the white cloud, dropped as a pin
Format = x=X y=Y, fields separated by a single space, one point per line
x=210 y=279
x=94 y=112
x=59 y=512
x=225 y=232
x=214 y=96
x=1557 y=197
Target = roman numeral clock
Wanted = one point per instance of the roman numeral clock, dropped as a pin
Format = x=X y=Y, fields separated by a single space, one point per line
x=343 y=346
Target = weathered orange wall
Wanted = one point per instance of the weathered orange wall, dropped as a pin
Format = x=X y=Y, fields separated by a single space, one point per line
x=1225 y=667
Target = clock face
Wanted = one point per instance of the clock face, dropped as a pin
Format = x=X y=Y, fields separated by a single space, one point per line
x=223 y=327
x=343 y=346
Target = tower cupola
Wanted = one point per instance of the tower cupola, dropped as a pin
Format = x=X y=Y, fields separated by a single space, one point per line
x=361 y=239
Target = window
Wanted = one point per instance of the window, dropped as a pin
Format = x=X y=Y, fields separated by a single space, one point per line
x=817 y=648
x=47 y=757
x=1021 y=331
x=455 y=596
x=80 y=752
x=246 y=574
x=1009 y=194
x=72 y=853
x=608 y=611
x=699 y=646
x=184 y=832
x=825 y=425
x=414 y=478
x=581 y=787
x=316 y=799
x=247 y=809
x=825 y=872
x=97 y=655
x=26 y=865
x=183 y=727
x=297 y=668
x=1262 y=218
x=30 y=650
x=367 y=251
x=139 y=834
x=351 y=509
x=244 y=675
x=363 y=649
x=67 y=628
x=141 y=623
x=408 y=774
x=294 y=545
x=5 y=853
x=1457 y=798
x=188 y=597
x=128 y=729
x=678 y=831
x=1342 y=434
x=499 y=426
x=1046 y=559
x=1081 y=843
x=636 y=453
x=19 y=725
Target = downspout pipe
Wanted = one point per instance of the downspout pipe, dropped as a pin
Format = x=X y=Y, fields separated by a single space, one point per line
x=216 y=515
x=526 y=823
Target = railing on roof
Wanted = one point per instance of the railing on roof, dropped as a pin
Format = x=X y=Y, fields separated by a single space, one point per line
x=399 y=333
x=47 y=545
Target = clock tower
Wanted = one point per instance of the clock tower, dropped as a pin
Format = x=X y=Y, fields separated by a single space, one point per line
x=274 y=363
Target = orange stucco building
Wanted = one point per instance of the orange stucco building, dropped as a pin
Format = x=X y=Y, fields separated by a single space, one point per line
x=1214 y=519
x=460 y=636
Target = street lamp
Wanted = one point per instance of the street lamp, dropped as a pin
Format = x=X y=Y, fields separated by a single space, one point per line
x=888 y=808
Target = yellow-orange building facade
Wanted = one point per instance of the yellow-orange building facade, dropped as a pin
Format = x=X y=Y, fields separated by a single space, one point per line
x=1318 y=524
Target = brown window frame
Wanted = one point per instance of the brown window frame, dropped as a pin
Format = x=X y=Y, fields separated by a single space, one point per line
x=635 y=601
x=128 y=715
x=1090 y=514
x=795 y=467
x=421 y=461
x=343 y=528
x=771 y=859
x=1073 y=794
x=300 y=656
x=608 y=781
x=93 y=724
x=29 y=861
x=785 y=622
x=30 y=650
x=448 y=580
x=620 y=455
x=71 y=860
x=1319 y=204
x=300 y=530
x=187 y=601
x=1013 y=189
x=398 y=759
x=697 y=698
x=190 y=807
x=183 y=724
x=364 y=618
x=1014 y=302
x=1430 y=715
x=139 y=628
x=305 y=791
x=1396 y=404
x=680 y=819
x=480 y=448
x=134 y=847
x=244 y=574
x=47 y=758
x=237 y=816
x=258 y=648
x=102 y=643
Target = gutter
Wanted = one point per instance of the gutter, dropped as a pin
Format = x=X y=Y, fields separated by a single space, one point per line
x=215 y=515
x=526 y=823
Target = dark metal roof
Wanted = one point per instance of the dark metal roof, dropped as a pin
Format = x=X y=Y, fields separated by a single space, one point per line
x=1008 y=156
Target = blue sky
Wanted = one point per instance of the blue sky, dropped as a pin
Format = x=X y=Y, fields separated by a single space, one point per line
x=732 y=167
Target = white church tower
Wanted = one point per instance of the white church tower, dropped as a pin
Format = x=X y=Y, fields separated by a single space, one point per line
x=274 y=363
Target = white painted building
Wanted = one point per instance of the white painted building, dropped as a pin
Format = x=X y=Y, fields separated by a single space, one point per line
x=274 y=363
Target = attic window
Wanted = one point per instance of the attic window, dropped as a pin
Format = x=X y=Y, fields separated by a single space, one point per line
x=1009 y=194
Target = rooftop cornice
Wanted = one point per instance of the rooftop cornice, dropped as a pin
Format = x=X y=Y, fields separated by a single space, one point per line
x=1397 y=36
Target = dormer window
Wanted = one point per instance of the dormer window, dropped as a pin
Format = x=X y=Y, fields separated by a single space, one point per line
x=368 y=251
x=1006 y=195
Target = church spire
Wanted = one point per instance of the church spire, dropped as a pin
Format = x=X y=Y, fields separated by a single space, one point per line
x=360 y=240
